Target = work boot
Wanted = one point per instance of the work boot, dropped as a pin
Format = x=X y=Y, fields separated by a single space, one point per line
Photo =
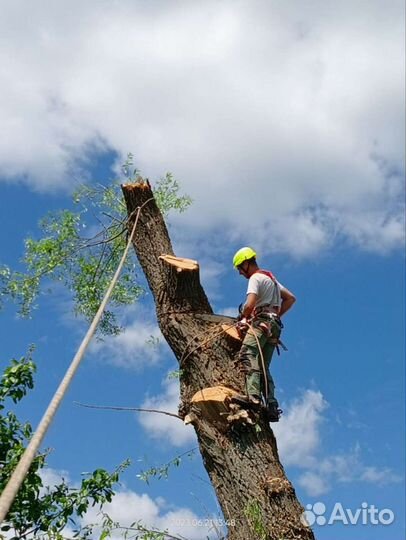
x=273 y=412
x=248 y=402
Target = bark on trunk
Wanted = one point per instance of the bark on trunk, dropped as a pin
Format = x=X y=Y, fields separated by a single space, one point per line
x=257 y=499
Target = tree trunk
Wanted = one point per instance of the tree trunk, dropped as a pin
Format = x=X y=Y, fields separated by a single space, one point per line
x=239 y=450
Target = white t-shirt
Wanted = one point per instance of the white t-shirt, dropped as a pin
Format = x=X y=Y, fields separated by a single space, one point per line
x=266 y=290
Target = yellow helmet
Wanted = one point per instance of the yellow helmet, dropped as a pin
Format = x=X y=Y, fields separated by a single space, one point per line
x=243 y=254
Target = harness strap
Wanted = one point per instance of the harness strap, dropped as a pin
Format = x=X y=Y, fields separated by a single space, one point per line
x=265 y=309
x=266 y=273
x=278 y=343
x=273 y=278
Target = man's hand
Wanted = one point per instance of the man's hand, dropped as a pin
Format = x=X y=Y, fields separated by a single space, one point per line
x=242 y=327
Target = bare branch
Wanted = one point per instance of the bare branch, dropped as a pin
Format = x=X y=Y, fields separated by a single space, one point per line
x=120 y=221
x=107 y=240
x=140 y=528
x=133 y=409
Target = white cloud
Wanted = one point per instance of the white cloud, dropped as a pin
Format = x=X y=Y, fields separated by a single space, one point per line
x=298 y=431
x=282 y=123
x=380 y=477
x=140 y=344
x=210 y=274
x=228 y=311
x=209 y=251
x=52 y=477
x=349 y=467
x=299 y=437
x=313 y=484
x=128 y=507
x=162 y=427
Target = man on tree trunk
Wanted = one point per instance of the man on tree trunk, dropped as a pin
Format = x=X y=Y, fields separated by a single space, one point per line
x=241 y=458
x=261 y=326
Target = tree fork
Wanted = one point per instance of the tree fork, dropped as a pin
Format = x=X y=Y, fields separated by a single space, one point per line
x=257 y=499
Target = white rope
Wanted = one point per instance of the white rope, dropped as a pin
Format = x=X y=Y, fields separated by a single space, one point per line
x=17 y=478
x=264 y=370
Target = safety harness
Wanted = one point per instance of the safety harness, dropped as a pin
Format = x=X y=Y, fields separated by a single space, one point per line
x=265 y=318
x=267 y=311
x=267 y=307
x=266 y=273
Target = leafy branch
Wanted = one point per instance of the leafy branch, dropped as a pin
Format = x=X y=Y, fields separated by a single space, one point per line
x=136 y=531
x=35 y=512
x=162 y=471
x=85 y=264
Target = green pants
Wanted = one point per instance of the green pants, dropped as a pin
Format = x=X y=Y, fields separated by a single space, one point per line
x=250 y=356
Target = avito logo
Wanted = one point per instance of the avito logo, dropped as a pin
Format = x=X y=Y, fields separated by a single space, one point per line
x=366 y=515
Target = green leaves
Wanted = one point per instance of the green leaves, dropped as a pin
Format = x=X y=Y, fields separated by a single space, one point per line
x=34 y=511
x=175 y=374
x=85 y=263
x=162 y=471
x=4 y=281
x=78 y=248
x=253 y=512
x=18 y=378
x=44 y=258
x=42 y=512
x=136 y=531
x=167 y=198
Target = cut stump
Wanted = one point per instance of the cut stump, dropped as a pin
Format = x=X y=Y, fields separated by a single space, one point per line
x=213 y=403
x=231 y=331
x=180 y=263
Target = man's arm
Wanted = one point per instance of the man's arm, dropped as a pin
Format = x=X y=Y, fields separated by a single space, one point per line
x=249 y=305
x=288 y=299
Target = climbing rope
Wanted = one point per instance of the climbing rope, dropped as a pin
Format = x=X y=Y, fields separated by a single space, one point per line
x=216 y=335
x=10 y=491
x=264 y=370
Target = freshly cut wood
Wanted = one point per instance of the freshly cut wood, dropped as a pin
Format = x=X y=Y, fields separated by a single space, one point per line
x=180 y=263
x=180 y=278
x=238 y=415
x=231 y=331
x=212 y=403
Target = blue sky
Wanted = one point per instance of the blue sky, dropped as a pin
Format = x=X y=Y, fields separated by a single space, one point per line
x=286 y=128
